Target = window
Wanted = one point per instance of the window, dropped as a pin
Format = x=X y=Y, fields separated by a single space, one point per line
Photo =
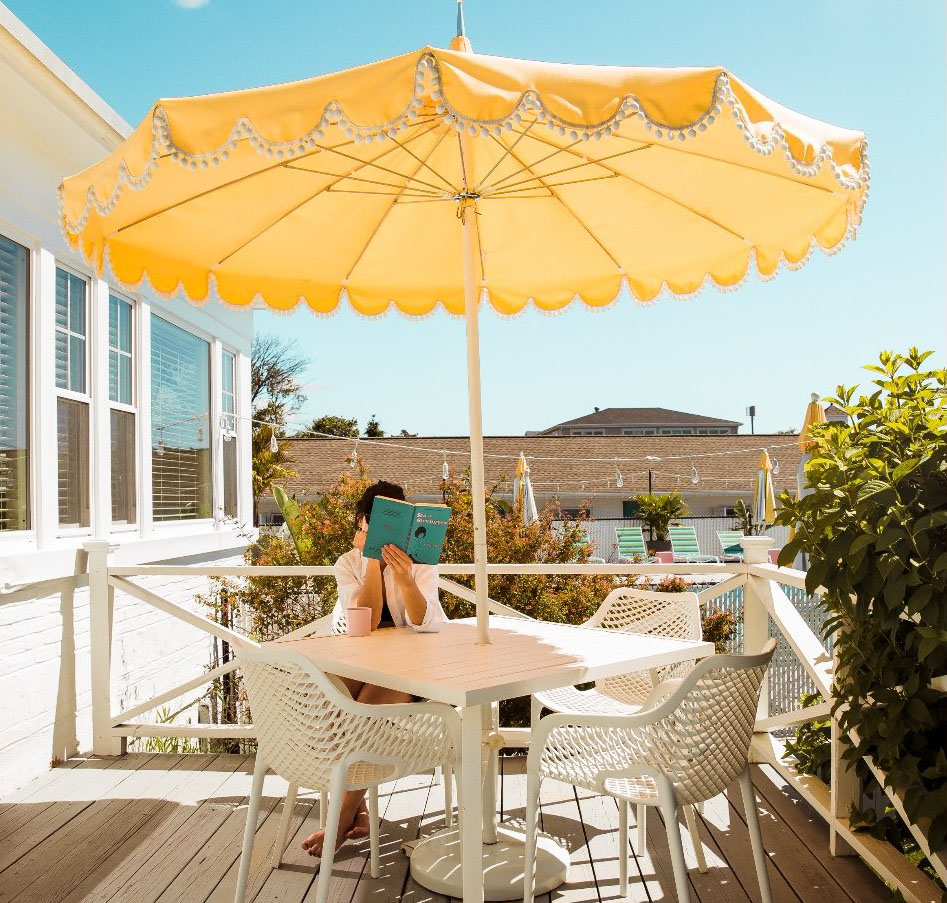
x=228 y=431
x=14 y=423
x=72 y=403
x=122 y=414
x=588 y=432
x=637 y=432
x=180 y=434
x=630 y=509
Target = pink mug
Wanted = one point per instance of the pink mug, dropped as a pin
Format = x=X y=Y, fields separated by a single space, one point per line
x=665 y=557
x=359 y=621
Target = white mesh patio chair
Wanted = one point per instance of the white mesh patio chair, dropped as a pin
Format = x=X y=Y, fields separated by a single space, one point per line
x=312 y=733
x=687 y=746
x=640 y=611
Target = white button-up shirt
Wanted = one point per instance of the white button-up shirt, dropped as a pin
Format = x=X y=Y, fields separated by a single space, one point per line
x=350 y=570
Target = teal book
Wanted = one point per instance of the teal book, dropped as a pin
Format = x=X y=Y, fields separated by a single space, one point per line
x=418 y=530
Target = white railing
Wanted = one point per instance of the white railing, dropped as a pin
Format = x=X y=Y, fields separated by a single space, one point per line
x=758 y=589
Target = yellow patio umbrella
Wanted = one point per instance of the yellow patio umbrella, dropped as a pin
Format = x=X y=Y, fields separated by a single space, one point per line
x=446 y=179
x=764 y=496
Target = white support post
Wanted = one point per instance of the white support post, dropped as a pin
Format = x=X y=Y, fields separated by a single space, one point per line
x=45 y=475
x=104 y=743
x=756 y=632
x=143 y=373
x=844 y=786
x=213 y=433
x=472 y=308
x=471 y=804
x=101 y=501
x=244 y=427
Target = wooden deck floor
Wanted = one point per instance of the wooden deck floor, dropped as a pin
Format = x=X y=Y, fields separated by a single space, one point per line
x=149 y=828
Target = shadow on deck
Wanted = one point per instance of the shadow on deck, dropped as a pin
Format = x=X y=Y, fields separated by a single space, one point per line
x=148 y=828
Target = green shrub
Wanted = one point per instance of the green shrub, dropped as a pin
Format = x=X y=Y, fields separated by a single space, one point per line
x=875 y=529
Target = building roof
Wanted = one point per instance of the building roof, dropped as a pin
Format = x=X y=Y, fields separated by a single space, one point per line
x=558 y=464
x=642 y=417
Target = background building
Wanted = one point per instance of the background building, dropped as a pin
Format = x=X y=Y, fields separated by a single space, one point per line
x=121 y=420
x=641 y=422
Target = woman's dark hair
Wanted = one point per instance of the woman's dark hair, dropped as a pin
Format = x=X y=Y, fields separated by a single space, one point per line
x=364 y=506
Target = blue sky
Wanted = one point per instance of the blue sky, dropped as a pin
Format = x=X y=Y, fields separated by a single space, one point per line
x=876 y=66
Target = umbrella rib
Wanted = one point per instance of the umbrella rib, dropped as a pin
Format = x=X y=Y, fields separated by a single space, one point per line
x=549 y=185
x=387 y=169
x=351 y=178
x=576 y=217
x=584 y=161
x=384 y=216
x=425 y=164
x=296 y=207
x=506 y=152
x=736 y=163
x=675 y=201
x=281 y=165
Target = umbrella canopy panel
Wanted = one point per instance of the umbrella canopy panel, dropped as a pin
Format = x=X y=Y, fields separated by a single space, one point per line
x=347 y=187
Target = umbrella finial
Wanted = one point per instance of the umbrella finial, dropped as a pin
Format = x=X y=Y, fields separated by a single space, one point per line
x=460 y=41
x=814 y=396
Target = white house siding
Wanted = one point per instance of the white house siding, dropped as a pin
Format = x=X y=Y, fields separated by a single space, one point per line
x=44 y=685
x=53 y=125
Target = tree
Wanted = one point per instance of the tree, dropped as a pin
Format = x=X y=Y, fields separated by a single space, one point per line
x=373 y=430
x=331 y=425
x=275 y=393
x=408 y=435
x=657 y=511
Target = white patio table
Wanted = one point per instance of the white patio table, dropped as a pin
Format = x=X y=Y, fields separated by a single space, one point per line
x=523 y=657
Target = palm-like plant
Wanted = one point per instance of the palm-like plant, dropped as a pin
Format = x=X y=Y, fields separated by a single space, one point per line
x=657 y=511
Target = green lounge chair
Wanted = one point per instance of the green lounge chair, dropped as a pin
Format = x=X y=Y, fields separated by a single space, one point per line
x=685 y=546
x=730 y=543
x=631 y=543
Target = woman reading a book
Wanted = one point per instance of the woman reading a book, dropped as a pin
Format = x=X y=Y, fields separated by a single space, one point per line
x=400 y=593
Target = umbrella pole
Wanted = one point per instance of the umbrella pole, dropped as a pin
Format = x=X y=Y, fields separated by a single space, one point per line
x=472 y=310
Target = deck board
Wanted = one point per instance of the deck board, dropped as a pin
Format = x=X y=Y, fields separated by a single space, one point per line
x=167 y=829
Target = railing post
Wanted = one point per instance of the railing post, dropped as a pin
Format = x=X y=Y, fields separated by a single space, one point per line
x=101 y=610
x=844 y=786
x=755 y=612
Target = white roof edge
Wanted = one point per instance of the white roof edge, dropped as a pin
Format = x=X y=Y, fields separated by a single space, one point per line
x=47 y=60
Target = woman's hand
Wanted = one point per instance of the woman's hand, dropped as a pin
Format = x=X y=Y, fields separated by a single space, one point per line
x=399 y=562
x=361 y=532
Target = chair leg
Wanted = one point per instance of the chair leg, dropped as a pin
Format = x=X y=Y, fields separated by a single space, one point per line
x=289 y=804
x=623 y=852
x=669 y=811
x=373 y=831
x=323 y=807
x=329 y=839
x=695 y=837
x=249 y=832
x=641 y=819
x=533 y=778
x=756 y=837
x=448 y=796
x=535 y=710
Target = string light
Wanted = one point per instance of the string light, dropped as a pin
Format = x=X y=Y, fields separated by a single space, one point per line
x=619 y=479
x=200 y=434
x=354 y=459
x=445 y=468
x=274 y=445
x=775 y=467
x=695 y=477
x=159 y=445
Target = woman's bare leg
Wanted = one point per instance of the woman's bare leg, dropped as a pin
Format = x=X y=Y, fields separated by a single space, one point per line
x=353 y=816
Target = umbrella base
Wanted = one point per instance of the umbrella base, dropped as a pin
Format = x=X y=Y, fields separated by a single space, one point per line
x=435 y=864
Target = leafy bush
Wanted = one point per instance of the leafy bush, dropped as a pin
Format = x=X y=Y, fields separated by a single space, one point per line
x=875 y=529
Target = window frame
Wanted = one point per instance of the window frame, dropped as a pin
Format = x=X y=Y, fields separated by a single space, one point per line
x=86 y=398
x=227 y=434
x=33 y=475
x=133 y=408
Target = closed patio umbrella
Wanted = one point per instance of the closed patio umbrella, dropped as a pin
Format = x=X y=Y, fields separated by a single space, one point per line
x=814 y=414
x=764 y=497
x=444 y=180
x=523 y=492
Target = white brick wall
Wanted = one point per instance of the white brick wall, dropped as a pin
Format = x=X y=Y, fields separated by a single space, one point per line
x=151 y=652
